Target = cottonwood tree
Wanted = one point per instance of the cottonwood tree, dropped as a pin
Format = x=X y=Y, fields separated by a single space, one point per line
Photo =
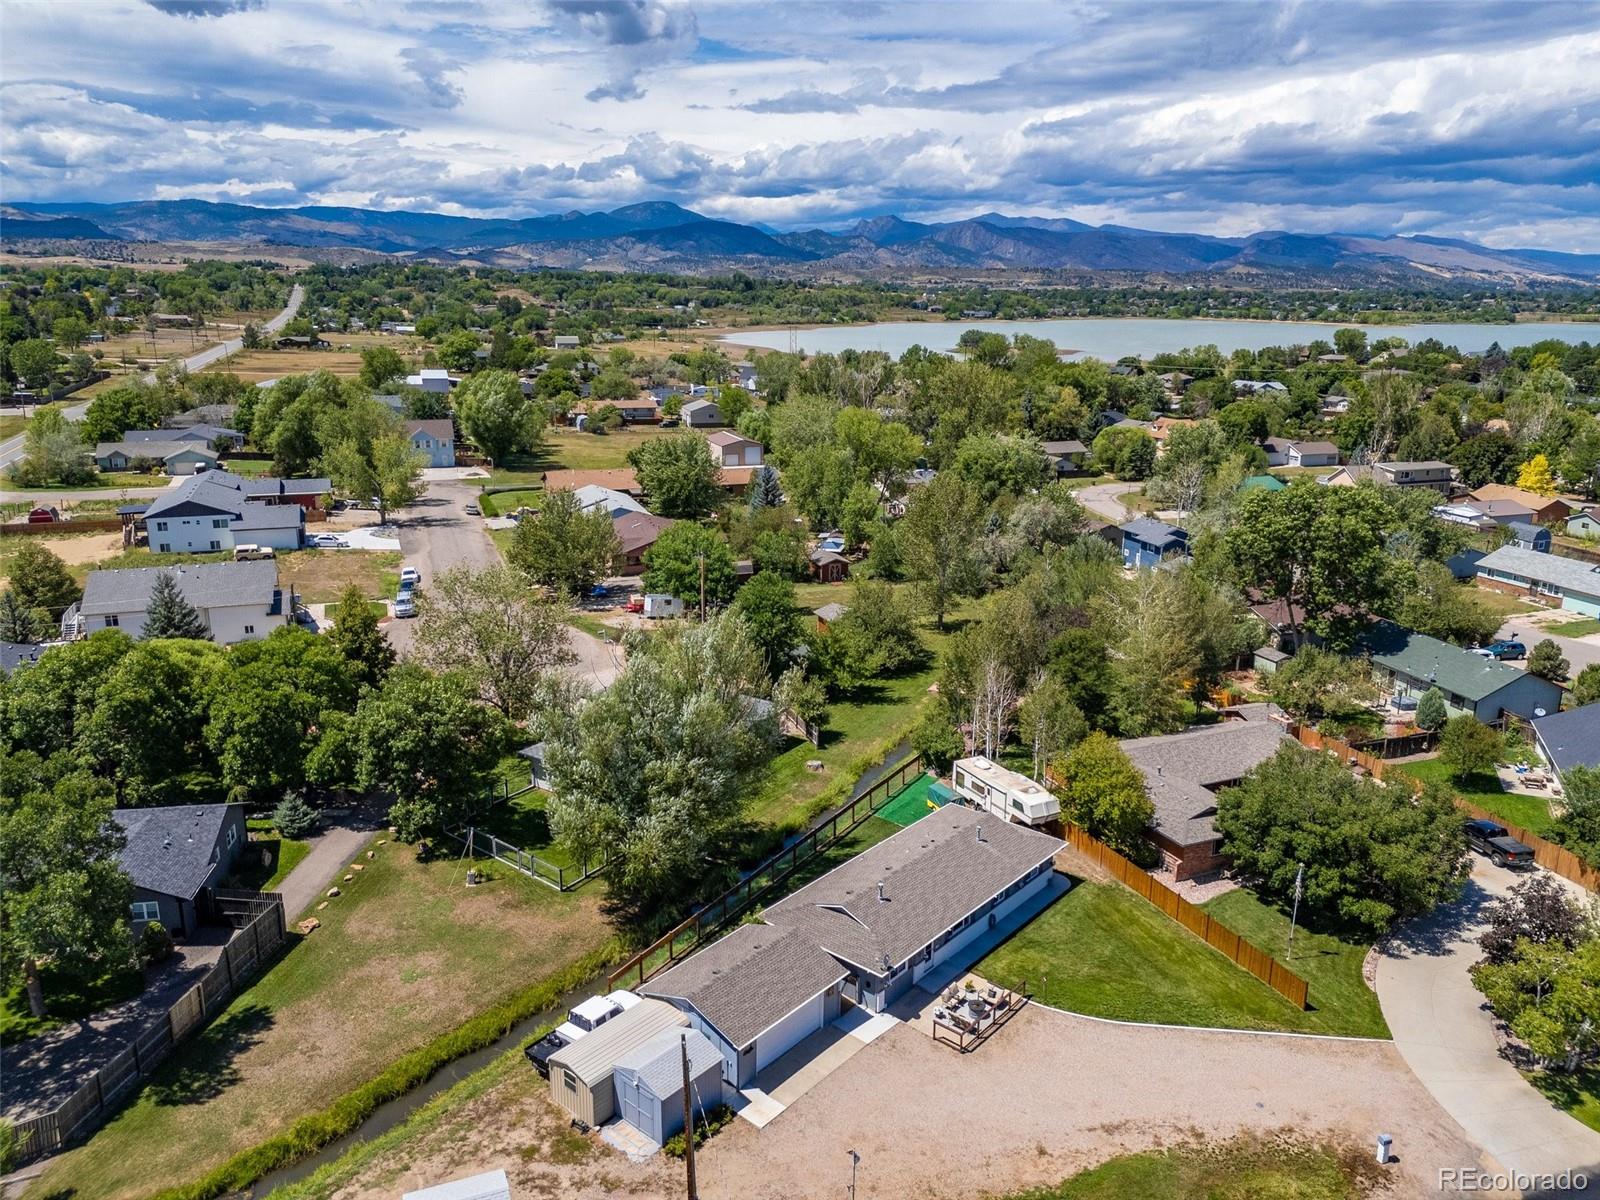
x=170 y=615
x=52 y=452
x=564 y=548
x=992 y=711
x=388 y=468
x=146 y=733
x=1103 y=792
x=1546 y=992
x=767 y=606
x=1048 y=721
x=1153 y=652
x=495 y=631
x=63 y=895
x=495 y=414
x=379 y=365
x=686 y=558
x=938 y=540
x=678 y=474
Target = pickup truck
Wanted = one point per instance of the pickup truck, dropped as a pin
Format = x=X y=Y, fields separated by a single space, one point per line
x=1497 y=845
x=582 y=1019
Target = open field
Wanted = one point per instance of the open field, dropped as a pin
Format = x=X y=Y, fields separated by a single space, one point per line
x=574 y=450
x=342 y=357
x=321 y=576
x=1530 y=812
x=406 y=953
x=1102 y=951
x=82 y=552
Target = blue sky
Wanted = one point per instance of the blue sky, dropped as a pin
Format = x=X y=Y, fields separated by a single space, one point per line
x=1478 y=120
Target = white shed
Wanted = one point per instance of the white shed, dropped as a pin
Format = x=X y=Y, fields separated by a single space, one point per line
x=491 y=1185
x=580 y=1074
x=649 y=1082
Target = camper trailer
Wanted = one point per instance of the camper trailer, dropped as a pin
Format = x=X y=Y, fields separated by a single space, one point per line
x=991 y=787
x=658 y=605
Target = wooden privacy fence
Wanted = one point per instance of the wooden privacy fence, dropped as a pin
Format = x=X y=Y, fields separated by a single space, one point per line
x=261 y=933
x=831 y=827
x=1545 y=852
x=1196 y=920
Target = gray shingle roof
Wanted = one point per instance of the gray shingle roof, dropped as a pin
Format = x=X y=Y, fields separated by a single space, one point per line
x=170 y=850
x=1180 y=769
x=1568 y=574
x=1154 y=533
x=269 y=516
x=203 y=490
x=440 y=430
x=192 y=433
x=154 y=449
x=204 y=585
x=1428 y=660
x=1571 y=738
x=659 y=1062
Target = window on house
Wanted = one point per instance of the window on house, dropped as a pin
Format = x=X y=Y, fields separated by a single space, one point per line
x=219 y=522
x=249 y=628
x=112 y=621
x=216 y=545
x=161 y=526
x=146 y=910
x=233 y=836
x=571 y=1081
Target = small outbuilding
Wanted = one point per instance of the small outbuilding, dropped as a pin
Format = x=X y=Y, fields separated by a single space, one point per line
x=491 y=1185
x=649 y=1082
x=580 y=1074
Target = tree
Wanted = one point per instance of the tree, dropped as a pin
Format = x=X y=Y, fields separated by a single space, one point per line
x=1431 y=713
x=1546 y=992
x=767 y=607
x=146 y=733
x=1468 y=747
x=997 y=465
x=935 y=736
x=1048 y=722
x=1153 y=653
x=938 y=538
x=388 y=468
x=1440 y=607
x=1125 y=453
x=1578 y=826
x=379 y=365
x=563 y=547
x=1540 y=910
x=1351 y=342
x=1546 y=661
x=48 y=706
x=1317 y=684
x=63 y=895
x=654 y=770
x=495 y=631
x=356 y=635
x=293 y=817
x=53 y=452
x=1372 y=855
x=678 y=474
x=458 y=350
x=395 y=745
x=34 y=362
x=251 y=338
x=169 y=614
x=765 y=490
x=1535 y=476
x=686 y=556
x=1487 y=458
x=495 y=414
x=41 y=580
x=1586 y=687
x=19 y=624
x=1103 y=792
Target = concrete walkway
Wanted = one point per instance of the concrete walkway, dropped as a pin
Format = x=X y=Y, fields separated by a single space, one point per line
x=1445 y=1033
x=331 y=851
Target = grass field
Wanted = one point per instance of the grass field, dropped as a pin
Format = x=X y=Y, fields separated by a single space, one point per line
x=107 y=480
x=1574 y=629
x=522 y=822
x=406 y=953
x=1499 y=602
x=250 y=466
x=1102 y=951
x=282 y=856
x=1578 y=1093
x=1531 y=812
x=321 y=576
x=574 y=450
x=1258 y=1169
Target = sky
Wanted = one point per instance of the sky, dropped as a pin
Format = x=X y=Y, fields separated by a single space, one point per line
x=1478 y=120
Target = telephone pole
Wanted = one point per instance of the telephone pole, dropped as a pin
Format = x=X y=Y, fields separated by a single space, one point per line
x=688 y=1118
x=701 y=556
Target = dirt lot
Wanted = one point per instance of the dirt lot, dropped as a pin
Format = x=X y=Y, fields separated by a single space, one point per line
x=343 y=357
x=1051 y=1095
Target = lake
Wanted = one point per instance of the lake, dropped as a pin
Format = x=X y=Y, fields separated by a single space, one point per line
x=1111 y=338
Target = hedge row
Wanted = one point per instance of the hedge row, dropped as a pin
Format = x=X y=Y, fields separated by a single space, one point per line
x=311 y=1133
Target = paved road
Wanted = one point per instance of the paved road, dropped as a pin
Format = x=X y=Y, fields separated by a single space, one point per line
x=1102 y=500
x=1446 y=1035
x=1580 y=654
x=11 y=449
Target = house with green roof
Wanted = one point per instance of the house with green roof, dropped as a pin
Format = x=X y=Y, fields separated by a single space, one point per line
x=1409 y=663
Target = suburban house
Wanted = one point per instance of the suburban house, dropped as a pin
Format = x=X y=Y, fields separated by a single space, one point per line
x=1065 y=456
x=1161 y=429
x=1550 y=579
x=1584 y=523
x=1255 y=387
x=1147 y=542
x=205 y=514
x=1436 y=475
x=617 y=479
x=436 y=439
x=866 y=931
x=636 y=533
x=700 y=414
x=643 y=409
x=214 y=436
x=19 y=654
x=177 y=457
x=730 y=449
x=1183 y=773
x=173 y=854
x=1482 y=515
x=1409 y=663
x=307 y=493
x=592 y=496
x=829 y=566
x=238 y=601
x=581 y=1073
x=1282 y=452
x=1545 y=509
x=1570 y=739
x=1528 y=536
x=432 y=379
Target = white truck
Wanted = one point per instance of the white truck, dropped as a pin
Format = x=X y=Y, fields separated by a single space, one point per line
x=1005 y=793
x=659 y=605
x=583 y=1018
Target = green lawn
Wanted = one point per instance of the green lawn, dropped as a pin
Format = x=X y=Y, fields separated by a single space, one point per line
x=508 y=502
x=1574 y=629
x=1331 y=965
x=406 y=953
x=282 y=855
x=68 y=996
x=107 y=480
x=522 y=822
x=251 y=466
x=1530 y=812
x=1578 y=1094
x=1506 y=606
x=574 y=451
x=1102 y=951
x=1252 y=1168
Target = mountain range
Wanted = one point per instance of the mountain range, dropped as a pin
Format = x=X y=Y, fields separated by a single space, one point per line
x=660 y=235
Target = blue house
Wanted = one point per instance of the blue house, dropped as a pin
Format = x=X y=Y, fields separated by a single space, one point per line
x=1529 y=536
x=1147 y=542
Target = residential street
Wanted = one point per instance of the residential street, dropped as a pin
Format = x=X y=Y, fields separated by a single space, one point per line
x=1445 y=1032
x=1102 y=500
x=1580 y=653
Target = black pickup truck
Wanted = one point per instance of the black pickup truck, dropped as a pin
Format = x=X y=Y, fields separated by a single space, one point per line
x=1499 y=847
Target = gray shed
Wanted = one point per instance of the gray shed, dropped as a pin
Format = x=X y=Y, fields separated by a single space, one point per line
x=580 y=1074
x=649 y=1082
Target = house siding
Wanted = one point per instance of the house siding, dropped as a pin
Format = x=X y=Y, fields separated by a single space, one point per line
x=440 y=453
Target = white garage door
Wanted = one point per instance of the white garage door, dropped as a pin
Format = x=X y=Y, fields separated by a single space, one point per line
x=772 y=1045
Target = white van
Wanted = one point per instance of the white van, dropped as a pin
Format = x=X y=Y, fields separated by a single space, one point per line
x=1005 y=793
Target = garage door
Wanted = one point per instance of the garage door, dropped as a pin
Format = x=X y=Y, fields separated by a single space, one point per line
x=783 y=1036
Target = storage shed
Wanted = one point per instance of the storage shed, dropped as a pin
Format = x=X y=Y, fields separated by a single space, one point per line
x=580 y=1074
x=649 y=1082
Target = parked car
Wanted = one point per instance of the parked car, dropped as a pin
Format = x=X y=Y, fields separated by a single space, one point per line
x=329 y=541
x=473 y=510
x=635 y=603
x=404 y=605
x=1503 y=650
x=582 y=1019
x=250 y=551
x=410 y=578
x=1494 y=842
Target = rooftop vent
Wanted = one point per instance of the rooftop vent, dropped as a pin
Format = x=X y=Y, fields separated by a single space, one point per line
x=882 y=899
x=980 y=831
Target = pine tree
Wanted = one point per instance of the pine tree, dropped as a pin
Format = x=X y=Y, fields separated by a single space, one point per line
x=18 y=623
x=1431 y=713
x=170 y=615
x=765 y=491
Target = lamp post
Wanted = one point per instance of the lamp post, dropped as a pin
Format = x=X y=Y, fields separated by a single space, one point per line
x=854 y=1159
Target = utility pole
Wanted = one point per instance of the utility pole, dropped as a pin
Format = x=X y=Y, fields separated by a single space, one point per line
x=1294 y=914
x=854 y=1159
x=688 y=1118
x=702 y=557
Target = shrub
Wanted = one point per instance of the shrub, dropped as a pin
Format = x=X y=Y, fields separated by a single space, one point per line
x=1468 y=746
x=155 y=943
x=1545 y=660
x=705 y=1125
x=1430 y=710
x=293 y=817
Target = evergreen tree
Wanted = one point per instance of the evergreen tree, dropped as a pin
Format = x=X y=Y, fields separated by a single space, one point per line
x=1547 y=662
x=293 y=817
x=356 y=635
x=1431 y=712
x=170 y=615
x=765 y=490
x=18 y=623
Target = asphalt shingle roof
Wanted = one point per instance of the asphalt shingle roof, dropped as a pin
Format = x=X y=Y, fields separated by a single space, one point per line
x=154 y=449
x=659 y=1062
x=204 y=585
x=1154 y=533
x=1568 y=574
x=1426 y=659
x=1571 y=738
x=171 y=850
x=1180 y=769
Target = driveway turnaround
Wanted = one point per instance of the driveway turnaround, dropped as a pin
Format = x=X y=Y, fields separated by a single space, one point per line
x=1104 y=500
x=1445 y=1032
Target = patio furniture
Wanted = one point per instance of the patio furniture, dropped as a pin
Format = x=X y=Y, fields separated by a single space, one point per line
x=1003 y=1003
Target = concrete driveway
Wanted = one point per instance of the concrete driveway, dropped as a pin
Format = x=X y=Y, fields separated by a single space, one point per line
x=1580 y=652
x=1445 y=1032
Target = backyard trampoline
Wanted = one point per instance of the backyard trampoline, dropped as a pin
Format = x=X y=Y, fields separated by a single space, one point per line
x=916 y=800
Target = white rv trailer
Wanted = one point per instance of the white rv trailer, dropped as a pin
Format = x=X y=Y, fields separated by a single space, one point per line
x=1007 y=794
